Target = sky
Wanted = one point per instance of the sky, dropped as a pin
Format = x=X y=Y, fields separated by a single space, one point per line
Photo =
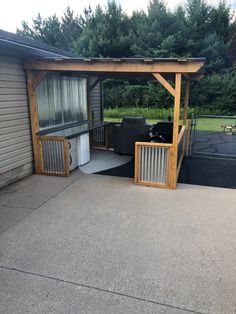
x=13 y=12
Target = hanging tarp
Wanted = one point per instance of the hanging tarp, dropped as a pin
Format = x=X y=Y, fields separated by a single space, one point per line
x=61 y=100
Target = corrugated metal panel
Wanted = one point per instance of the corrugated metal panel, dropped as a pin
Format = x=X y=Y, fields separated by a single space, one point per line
x=95 y=99
x=153 y=164
x=15 y=135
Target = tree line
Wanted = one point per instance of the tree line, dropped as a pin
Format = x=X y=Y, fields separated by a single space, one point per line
x=194 y=30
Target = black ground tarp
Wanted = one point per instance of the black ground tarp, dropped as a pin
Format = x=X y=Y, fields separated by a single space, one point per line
x=195 y=170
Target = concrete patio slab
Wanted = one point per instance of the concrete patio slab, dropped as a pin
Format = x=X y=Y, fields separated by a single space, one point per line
x=43 y=295
x=23 y=197
x=10 y=216
x=33 y=191
x=176 y=248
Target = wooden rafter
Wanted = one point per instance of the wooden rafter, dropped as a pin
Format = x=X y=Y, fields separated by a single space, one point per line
x=164 y=83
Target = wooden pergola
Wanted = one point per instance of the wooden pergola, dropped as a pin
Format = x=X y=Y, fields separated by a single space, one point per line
x=164 y=70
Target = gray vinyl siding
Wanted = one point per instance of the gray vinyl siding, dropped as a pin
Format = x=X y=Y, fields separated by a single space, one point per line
x=16 y=158
x=95 y=99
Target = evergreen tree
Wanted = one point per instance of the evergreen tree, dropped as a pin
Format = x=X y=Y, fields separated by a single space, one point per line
x=106 y=33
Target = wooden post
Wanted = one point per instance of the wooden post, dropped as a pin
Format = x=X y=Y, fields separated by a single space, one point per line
x=136 y=163
x=174 y=148
x=186 y=100
x=34 y=121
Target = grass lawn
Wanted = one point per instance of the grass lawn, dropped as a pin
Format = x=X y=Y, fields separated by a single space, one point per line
x=214 y=124
x=153 y=115
x=204 y=124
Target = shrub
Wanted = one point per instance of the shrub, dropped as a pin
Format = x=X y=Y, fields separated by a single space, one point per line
x=215 y=94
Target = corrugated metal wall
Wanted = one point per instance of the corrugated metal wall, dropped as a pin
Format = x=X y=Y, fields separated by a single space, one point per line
x=15 y=134
x=95 y=99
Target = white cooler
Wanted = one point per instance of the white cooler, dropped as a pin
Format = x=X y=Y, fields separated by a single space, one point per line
x=73 y=153
x=83 y=149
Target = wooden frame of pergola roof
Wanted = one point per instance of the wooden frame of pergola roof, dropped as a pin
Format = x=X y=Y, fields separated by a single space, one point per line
x=162 y=69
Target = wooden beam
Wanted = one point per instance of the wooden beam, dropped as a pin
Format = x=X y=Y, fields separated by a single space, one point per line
x=37 y=79
x=174 y=148
x=164 y=83
x=186 y=101
x=152 y=144
x=111 y=67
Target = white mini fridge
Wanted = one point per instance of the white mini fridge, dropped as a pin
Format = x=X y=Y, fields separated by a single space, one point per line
x=73 y=153
x=83 y=149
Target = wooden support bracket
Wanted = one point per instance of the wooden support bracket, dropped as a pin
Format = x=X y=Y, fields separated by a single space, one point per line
x=164 y=83
x=37 y=79
x=94 y=84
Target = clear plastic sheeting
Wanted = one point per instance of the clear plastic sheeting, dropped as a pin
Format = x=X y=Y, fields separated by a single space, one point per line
x=61 y=100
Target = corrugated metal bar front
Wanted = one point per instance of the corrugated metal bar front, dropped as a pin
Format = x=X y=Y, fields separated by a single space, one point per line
x=153 y=164
x=54 y=156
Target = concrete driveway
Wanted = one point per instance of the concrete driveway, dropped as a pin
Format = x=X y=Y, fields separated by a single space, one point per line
x=99 y=244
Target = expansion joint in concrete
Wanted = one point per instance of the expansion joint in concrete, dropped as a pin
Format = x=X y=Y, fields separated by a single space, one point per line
x=101 y=290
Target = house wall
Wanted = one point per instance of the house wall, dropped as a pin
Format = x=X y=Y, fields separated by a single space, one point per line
x=95 y=99
x=16 y=158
